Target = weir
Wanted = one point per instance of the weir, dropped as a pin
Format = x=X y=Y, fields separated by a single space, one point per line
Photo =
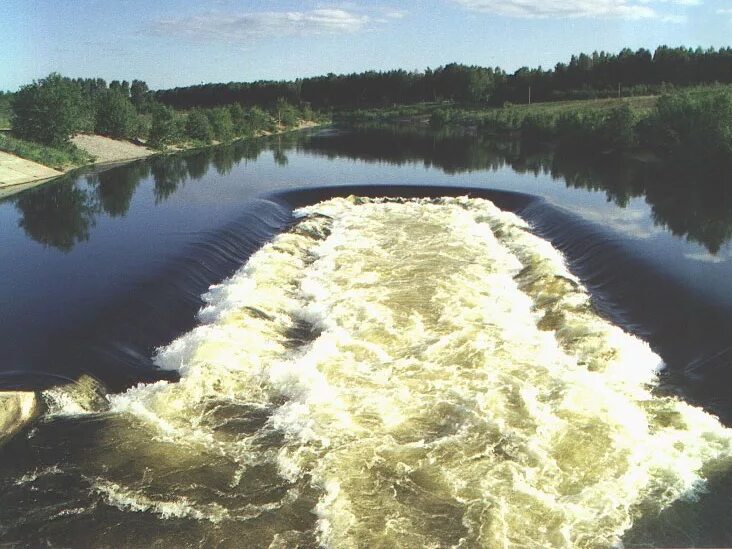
x=416 y=366
x=118 y=339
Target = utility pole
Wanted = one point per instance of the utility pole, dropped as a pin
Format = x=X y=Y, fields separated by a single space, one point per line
x=619 y=94
x=529 y=95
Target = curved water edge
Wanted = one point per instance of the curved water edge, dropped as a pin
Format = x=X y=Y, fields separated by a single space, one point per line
x=257 y=389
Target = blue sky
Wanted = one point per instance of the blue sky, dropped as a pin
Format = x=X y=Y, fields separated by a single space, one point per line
x=179 y=42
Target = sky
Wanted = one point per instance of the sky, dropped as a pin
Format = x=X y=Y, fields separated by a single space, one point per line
x=172 y=43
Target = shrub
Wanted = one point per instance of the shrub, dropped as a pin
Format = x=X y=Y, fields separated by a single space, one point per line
x=48 y=111
x=198 y=126
x=582 y=129
x=307 y=113
x=618 y=128
x=440 y=117
x=539 y=125
x=693 y=125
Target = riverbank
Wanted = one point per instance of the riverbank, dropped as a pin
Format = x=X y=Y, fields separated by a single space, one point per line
x=690 y=124
x=17 y=173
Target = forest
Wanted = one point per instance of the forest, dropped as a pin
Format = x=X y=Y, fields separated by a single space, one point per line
x=585 y=76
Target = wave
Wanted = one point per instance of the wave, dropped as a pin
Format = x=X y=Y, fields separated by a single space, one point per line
x=17 y=409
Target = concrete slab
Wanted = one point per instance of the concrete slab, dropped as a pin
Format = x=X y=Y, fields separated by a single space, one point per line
x=15 y=170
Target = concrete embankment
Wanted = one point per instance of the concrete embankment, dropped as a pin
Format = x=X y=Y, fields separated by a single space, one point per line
x=17 y=171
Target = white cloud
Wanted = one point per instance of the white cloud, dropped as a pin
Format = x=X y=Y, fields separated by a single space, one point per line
x=395 y=14
x=596 y=9
x=250 y=27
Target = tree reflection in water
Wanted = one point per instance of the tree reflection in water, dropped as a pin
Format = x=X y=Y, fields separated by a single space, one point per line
x=115 y=188
x=59 y=214
x=690 y=202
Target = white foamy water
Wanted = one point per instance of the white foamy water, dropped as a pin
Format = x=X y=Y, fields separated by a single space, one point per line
x=435 y=375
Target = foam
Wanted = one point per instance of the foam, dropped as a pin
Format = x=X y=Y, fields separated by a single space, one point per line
x=17 y=409
x=437 y=375
x=84 y=396
x=127 y=499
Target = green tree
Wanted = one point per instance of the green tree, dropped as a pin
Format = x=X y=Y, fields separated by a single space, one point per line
x=221 y=124
x=140 y=95
x=239 y=119
x=285 y=114
x=116 y=116
x=48 y=111
x=307 y=113
x=618 y=129
x=122 y=87
x=259 y=119
x=164 y=128
x=696 y=126
x=198 y=126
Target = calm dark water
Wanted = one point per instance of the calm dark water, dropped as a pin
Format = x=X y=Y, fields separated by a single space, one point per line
x=98 y=270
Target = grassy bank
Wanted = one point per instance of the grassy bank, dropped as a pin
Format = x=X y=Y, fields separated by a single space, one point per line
x=58 y=158
x=442 y=113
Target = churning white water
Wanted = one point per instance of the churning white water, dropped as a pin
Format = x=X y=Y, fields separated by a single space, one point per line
x=433 y=374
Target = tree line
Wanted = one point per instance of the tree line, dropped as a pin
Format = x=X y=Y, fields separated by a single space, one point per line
x=691 y=126
x=585 y=76
x=51 y=110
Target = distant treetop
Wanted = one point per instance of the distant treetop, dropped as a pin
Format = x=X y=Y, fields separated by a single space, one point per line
x=584 y=76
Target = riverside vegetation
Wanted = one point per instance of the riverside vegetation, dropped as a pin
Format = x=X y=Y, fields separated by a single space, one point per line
x=675 y=101
x=693 y=125
x=45 y=115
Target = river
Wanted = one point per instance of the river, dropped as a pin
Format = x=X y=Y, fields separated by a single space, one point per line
x=373 y=337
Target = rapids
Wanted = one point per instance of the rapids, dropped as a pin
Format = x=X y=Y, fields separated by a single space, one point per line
x=393 y=373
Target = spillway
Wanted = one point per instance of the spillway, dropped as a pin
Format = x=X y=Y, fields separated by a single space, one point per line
x=389 y=372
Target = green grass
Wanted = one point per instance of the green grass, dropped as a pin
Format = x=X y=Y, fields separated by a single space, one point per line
x=56 y=158
x=510 y=115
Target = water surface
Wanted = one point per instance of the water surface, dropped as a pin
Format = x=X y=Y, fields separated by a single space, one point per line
x=403 y=373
